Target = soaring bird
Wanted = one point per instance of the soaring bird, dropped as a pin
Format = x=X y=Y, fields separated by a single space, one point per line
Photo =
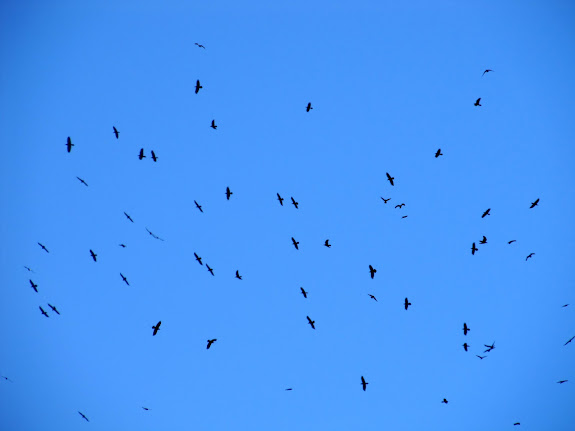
x=129 y=218
x=372 y=271
x=43 y=247
x=438 y=153
x=364 y=383
x=210 y=342
x=327 y=244
x=122 y=245
x=93 y=255
x=295 y=204
x=465 y=346
x=69 y=144
x=124 y=278
x=289 y=389
x=34 y=286
x=145 y=408
x=562 y=381
x=116 y=132
x=311 y=322
x=477 y=102
x=512 y=241
x=198 y=206
x=198 y=258
x=84 y=416
x=517 y=423
x=7 y=379
x=213 y=126
x=228 y=193
x=445 y=401
x=156 y=327
x=295 y=243
x=483 y=241
x=280 y=199
x=141 y=155
x=54 y=309
x=473 y=248
x=308 y=107
x=570 y=339
x=534 y=204
x=303 y=292
x=566 y=305
x=385 y=200
x=238 y=276
x=154 y=236
x=530 y=255
x=489 y=348
x=465 y=328
x=82 y=181
x=199 y=46
x=404 y=216
x=198 y=86
x=372 y=297
x=406 y=303
x=400 y=206
x=154 y=157
x=481 y=357
x=43 y=312
x=210 y=270
x=390 y=178
x=485 y=71
x=29 y=269
x=486 y=212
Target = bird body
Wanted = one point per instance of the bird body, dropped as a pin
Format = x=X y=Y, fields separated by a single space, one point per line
x=477 y=102
x=530 y=255
x=154 y=157
x=54 y=309
x=294 y=203
x=308 y=107
x=238 y=276
x=295 y=243
x=198 y=206
x=69 y=144
x=128 y=217
x=406 y=303
x=570 y=339
x=34 y=286
x=303 y=292
x=473 y=248
x=385 y=200
x=156 y=327
x=486 y=213
x=124 y=278
x=82 y=181
x=210 y=270
x=141 y=154
x=199 y=46
x=364 y=383
x=400 y=206
x=438 y=153
x=198 y=258
x=465 y=329
x=445 y=401
x=84 y=416
x=93 y=255
x=372 y=297
x=228 y=193
x=465 y=346
x=43 y=312
x=534 y=204
x=116 y=133
x=198 y=86
x=327 y=244
x=280 y=199
x=213 y=126
x=485 y=71
x=43 y=247
x=210 y=342
x=390 y=178
x=372 y=271
x=311 y=322
x=483 y=240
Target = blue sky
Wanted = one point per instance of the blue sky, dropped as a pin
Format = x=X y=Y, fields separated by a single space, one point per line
x=390 y=83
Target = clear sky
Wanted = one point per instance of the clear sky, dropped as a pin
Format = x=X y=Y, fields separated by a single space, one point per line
x=390 y=83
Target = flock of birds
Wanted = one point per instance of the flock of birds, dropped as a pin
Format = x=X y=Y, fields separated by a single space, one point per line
x=295 y=243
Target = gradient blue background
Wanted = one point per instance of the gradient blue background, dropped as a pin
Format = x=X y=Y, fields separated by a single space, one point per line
x=390 y=82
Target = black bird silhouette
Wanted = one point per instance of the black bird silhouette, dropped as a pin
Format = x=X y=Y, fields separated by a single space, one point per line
x=199 y=46
x=566 y=305
x=69 y=144
x=238 y=276
x=570 y=339
x=534 y=204
x=129 y=218
x=481 y=357
x=43 y=247
x=562 y=381
x=364 y=383
x=489 y=348
x=84 y=416
x=404 y=216
x=295 y=243
x=154 y=157
x=311 y=322
x=210 y=342
x=385 y=200
x=530 y=255
x=141 y=155
x=390 y=178
x=438 y=153
x=7 y=379
x=198 y=206
x=485 y=71
x=465 y=346
x=406 y=303
x=43 y=312
x=93 y=255
x=34 y=286
x=477 y=102
x=308 y=107
x=400 y=206
x=445 y=401
x=116 y=132
x=29 y=269
x=372 y=271
x=198 y=258
x=145 y=408
x=303 y=292
x=280 y=199
x=210 y=270
x=486 y=212
x=154 y=236
x=228 y=193
x=82 y=181
x=122 y=245
x=124 y=278
x=372 y=297
x=483 y=241
x=465 y=328
x=213 y=126
x=473 y=248
x=198 y=86
x=295 y=204
x=54 y=309
x=289 y=389
x=327 y=244
x=156 y=327
x=517 y=423
x=513 y=240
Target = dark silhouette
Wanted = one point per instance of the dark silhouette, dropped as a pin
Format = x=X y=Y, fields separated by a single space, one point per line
x=198 y=86
x=486 y=70
x=124 y=278
x=390 y=178
x=481 y=357
x=400 y=206
x=141 y=155
x=69 y=144
x=372 y=271
x=489 y=348
x=43 y=312
x=483 y=241
x=93 y=255
x=303 y=292
x=530 y=255
x=295 y=204
x=534 y=204
x=129 y=218
x=228 y=193
x=385 y=200
x=570 y=339
x=280 y=199
x=364 y=383
x=210 y=270
x=486 y=212
x=54 y=309
x=154 y=157
x=238 y=276
x=156 y=328
x=308 y=107
x=473 y=248
x=34 y=286
x=198 y=206
x=43 y=247
x=512 y=241
x=199 y=46
x=465 y=346
x=154 y=236
x=372 y=297
x=82 y=181
x=566 y=305
x=84 y=416
x=562 y=381
x=327 y=244
x=404 y=216
x=295 y=243
x=145 y=408
x=7 y=379
x=477 y=102
x=465 y=329
x=517 y=423
x=406 y=304
x=311 y=322
x=198 y=258
x=122 y=245
x=116 y=132
x=210 y=342
x=445 y=401
x=438 y=153
x=29 y=269
x=289 y=389
x=213 y=126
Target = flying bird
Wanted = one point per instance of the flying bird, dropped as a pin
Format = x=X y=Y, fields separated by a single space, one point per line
x=145 y=408
x=485 y=71
x=562 y=381
x=295 y=243
x=280 y=199
x=400 y=206
x=210 y=270
x=534 y=204
x=289 y=389
x=93 y=255
x=295 y=204
x=566 y=305
x=82 y=181
x=390 y=178
x=486 y=212
x=311 y=322
x=385 y=200
x=489 y=348
x=530 y=255
x=129 y=218
x=124 y=278
x=34 y=286
x=199 y=46
x=238 y=276
x=154 y=236
x=210 y=342
x=198 y=206
x=445 y=401
x=198 y=86
x=303 y=292
x=473 y=248
x=198 y=258
x=372 y=271
x=404 y=216
x=141 y=155
x=327 y=244
x=84 y=416
x=372 y=297
x=116 y=132
x=29 y=269
x=43 y=312
x=122 y=245
x=228 y=193
x=156 y=327
x=517 y=423
x=465 y=346
x=406 y=303
x=213 y=126
x=364 y=383
x=438 y=153
x=54 y=309
x=513 y=240
x=481 y=357
x=483 y=241
x=7 y=379
x=465 y=329
x=43 y=247
x=308 y=107
x=477 y=102
x=154 y=157
x=570 y=339
x=69 y=144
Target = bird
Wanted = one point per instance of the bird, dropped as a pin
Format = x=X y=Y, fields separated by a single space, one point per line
x=327 y=244
x=477 y=102
x=29 y=269
x=198 y=86
x=406 y=303
x=486 y=212
x=210 y=270
x=54 y=309
x=122 y=245
x=489 y=348
x=156 y=327
x=485 y=71
x=82 y=181
x=93 y=255
x=473 y=249
x=483 y=241
x=534 y=204
x=154 y=157
x=238 y=276
x=308 y=107
x=404 y=216
x=372 y=271
x=198 y=258
x=199 y=46
x=154 y=236
x=228 y=193
x=295 y=243
x=372 y=297
x=141 y=155
x=116 y=132
x=481 y=357
x=69 y=144
x=517 y=423
x=400 y=206
x=438 y=153
x=530 y=255
x=7 y=379
x=311 y=322
x=145 y=408
x=390 y=178
x=303 y=292
x=129 y=218
x=43 y=247
x=385 y=200
x=43 y=312
x=34 y=286
x=198 y=206
x=566 y=305
x=364 y=383
x=465 y=346
x=295 y=204
x=213 y=126
x=465 y=328
x=280 y=199
x=445 y=401
x=512 y=241
x=289 y=389
x=570 y=339
x=210 y=342
x=124 y=278
x=84 y=416
x=562 y=381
